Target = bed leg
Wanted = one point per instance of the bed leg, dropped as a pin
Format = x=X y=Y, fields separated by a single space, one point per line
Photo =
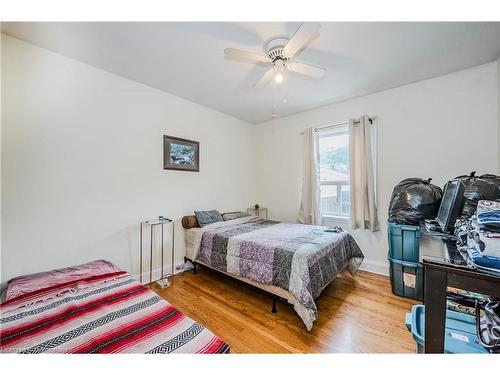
x=274 y=310
x=194 y=268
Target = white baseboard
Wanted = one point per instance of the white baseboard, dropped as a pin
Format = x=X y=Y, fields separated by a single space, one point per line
x=373 y=266
x=157 y=273
x=145 y=275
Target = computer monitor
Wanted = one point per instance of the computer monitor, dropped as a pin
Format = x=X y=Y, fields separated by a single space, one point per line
x=451 y=206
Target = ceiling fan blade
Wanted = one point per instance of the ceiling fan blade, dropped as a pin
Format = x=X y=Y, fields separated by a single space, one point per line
x=308 y=70
x=302 y=36
x=265 y=79
x=239 y=54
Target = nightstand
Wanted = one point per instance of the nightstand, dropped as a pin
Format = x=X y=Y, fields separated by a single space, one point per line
x=258 y=211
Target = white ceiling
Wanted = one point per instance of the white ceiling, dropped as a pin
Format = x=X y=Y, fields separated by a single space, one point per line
x=187 y=59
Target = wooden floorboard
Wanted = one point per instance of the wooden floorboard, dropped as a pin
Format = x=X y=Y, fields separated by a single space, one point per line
x=356 y=315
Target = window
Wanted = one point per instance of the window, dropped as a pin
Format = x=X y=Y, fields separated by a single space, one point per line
x=334 y=172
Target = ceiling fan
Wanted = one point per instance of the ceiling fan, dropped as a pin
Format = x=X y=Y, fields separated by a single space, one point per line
x=280 y=52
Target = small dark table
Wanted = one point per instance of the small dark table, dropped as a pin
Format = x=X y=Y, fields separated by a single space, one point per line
x=445 y=266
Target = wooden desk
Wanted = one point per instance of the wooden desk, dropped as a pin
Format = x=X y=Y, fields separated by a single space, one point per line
x=437 y=252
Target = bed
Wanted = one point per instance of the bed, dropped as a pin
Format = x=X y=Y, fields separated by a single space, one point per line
x=292 y=261
x=95 y=308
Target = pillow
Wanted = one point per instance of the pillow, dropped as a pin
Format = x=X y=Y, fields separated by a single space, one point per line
x=208 y=217
x=234 y=215
x=31 y=283
x=189 y=222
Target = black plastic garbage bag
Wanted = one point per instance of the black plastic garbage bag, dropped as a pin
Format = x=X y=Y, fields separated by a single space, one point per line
x=414 y=200
x=485 y=187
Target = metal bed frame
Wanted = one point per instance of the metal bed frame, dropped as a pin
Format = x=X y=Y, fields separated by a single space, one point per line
x=275 y=298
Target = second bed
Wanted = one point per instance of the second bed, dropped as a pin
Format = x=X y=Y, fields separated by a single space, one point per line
x=292 y=261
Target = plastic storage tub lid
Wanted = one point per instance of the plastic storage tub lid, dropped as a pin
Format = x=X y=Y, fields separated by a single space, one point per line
x=460 y=331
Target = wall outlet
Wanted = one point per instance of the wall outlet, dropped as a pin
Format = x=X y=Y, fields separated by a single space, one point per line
x=163 y=283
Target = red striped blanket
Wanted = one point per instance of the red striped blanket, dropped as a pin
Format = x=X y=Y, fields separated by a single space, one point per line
x=109 y=313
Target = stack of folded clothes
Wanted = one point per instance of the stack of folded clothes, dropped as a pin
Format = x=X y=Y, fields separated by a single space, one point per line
x=488 y=216
x=484 y=240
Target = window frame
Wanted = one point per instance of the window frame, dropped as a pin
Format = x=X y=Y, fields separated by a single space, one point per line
x=336 y=218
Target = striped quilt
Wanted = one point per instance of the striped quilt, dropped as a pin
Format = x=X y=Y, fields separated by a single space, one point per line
x=108 y=313
x=301 y=259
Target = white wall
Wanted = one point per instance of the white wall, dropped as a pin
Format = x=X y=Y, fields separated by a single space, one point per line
x=82 y=155
x=437 y=128
x=82 y=162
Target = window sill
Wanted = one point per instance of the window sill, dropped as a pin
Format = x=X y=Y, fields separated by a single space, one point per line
x=330 y=220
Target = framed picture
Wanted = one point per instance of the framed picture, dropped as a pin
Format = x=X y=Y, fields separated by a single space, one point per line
x=181 y=154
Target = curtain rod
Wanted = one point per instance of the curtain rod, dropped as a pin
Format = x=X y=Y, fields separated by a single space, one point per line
x=340 y=124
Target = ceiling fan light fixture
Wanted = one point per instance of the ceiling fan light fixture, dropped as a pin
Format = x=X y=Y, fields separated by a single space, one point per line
x=279 y=55
x=280 y=69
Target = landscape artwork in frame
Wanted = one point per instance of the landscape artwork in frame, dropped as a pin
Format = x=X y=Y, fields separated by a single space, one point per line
x=181 y=154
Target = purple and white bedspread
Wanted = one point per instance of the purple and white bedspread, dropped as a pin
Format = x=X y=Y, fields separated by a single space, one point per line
x=301 y=259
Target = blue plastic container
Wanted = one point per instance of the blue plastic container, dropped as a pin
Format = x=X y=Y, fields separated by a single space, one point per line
x=404 y=242
x=407 y=279
x=460 y=331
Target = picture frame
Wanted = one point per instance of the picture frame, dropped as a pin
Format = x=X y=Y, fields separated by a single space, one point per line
x=181 y=154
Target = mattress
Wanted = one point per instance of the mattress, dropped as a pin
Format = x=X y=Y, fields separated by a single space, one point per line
x=100 y=313
x=190 y=235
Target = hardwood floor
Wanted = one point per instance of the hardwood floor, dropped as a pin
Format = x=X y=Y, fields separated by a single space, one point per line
x=355 y=315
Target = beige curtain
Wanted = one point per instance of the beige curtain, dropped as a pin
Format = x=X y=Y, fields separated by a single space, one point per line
x=309 y=212
x=362 y=165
